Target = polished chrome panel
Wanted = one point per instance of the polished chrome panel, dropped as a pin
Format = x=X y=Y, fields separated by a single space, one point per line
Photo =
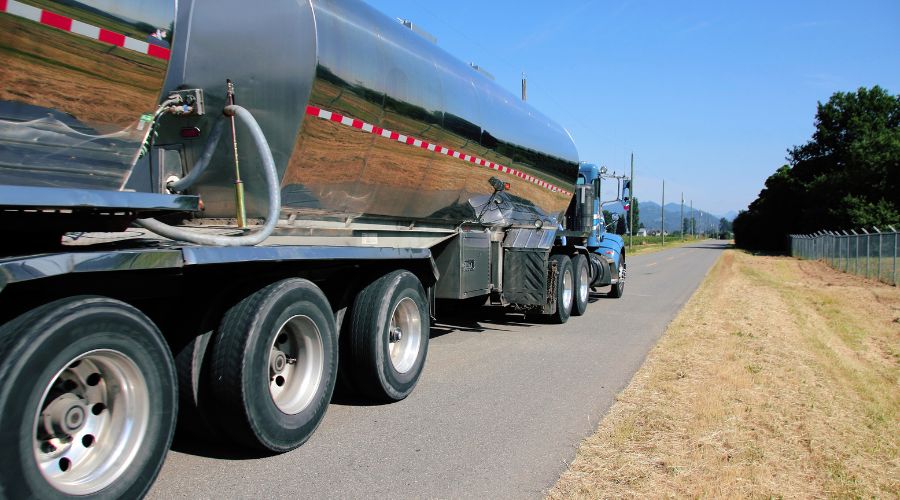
x=529 y=238
x=269 y=50
x=372 y=69
x=226 y=255
x=44 y=266
x=43 y=197
x=19 y=269
x=77 y=77
x=342 y=56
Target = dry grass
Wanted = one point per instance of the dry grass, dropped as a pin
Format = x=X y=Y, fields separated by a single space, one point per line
x=644 y=247
x=778 y=379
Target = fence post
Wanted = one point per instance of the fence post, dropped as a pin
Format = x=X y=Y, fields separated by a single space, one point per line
x=868 y=238
x=846 y=268
x=895 y=256
x=878 y=267
x=894 y=277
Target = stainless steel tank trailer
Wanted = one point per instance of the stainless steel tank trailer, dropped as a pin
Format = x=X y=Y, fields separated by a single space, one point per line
x=204 y=205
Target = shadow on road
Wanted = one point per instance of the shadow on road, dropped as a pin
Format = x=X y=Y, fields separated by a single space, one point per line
x=710 y=246
x=192 y=445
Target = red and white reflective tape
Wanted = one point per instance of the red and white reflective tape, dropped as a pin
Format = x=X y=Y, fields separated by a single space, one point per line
x=64 y=23
x=412 y=141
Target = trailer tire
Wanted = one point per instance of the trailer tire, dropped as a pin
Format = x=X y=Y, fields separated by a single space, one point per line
x=616 y=291
x=386 y=340
x=196 y=416
x=564 y=289
x=274 y=365
x=582 y=283
x=88 y=400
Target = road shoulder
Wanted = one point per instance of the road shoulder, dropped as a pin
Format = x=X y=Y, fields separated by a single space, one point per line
x=778 y=378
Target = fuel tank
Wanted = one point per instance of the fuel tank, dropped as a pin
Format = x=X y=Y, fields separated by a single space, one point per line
x=364 y=117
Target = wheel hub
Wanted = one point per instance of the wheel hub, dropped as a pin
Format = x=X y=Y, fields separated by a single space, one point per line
x=278 y=361
x=296 y=364
x=93 y=418
x=66 y=415
x=396 y=334
x=404 y=335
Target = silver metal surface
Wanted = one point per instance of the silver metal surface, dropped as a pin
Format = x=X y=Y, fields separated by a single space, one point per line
x=529 y=238
x=269 y=51
x=464 y=263
x=338 y=55
x=70 y=103
x=14 y=270
x=20 y=269
x=296 y=364
x=91 y=423
x=568 y=292
x=224 y=255
x=584 y=282
x=406 y=335
x=50 y=197
x=345 y=57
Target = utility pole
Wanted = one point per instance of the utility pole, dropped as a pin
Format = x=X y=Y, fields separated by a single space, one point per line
x=524 y=87
x=692 y=219
x=633 y=205
x=662 y=211
x=682 y=216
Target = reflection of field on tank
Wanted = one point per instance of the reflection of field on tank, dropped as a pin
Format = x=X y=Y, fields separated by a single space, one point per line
x=86 y=16
x=357 y=102
x=351 y=171
x=103 y=86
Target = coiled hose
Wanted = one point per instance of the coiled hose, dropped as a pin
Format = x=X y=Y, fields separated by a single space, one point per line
x=274 y=195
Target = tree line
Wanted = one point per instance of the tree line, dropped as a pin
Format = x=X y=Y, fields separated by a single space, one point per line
x=847 y=176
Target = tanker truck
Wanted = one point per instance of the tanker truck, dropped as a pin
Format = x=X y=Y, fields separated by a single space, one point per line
x=206 y=208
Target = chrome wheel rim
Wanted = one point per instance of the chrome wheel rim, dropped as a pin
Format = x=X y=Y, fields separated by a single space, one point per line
x=296 y=364
x=567 y=294
x=91 y=422
x=405 y=335
x=583 y=285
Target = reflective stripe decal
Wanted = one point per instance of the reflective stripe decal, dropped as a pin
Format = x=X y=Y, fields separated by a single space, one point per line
x=64 y=23
x=419 y=143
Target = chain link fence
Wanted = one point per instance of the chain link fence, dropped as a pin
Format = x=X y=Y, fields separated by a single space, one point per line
x=869 y=253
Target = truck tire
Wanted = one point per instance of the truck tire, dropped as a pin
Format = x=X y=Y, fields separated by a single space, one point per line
x=616 y=291
x=564 y=288
x=196 y=414
x=582 y=283
x=386 y=339
x=274 y=365
x=88 y=398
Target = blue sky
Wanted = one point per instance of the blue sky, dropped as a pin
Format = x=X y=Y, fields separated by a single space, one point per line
x=708 y=94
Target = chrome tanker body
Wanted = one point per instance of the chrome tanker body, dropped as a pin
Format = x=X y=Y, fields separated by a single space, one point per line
x=243 y=191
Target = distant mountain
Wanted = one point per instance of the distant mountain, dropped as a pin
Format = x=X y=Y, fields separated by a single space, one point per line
x=731 y=215
x=651 y=217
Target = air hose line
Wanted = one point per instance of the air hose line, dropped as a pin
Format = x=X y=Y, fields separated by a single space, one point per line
x=271 y=177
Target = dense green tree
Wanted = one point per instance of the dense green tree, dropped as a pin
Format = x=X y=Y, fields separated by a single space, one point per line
x=621 y=226
x=846 y=176
x=724 y=225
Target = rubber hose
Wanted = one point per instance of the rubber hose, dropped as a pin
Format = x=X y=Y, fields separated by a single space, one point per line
x=201 y=164
x=271 y=175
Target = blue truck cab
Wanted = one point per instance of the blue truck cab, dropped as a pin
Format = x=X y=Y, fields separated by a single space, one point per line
x=607 y=249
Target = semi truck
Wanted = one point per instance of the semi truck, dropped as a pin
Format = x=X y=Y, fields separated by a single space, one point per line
x=607 y=249
x=212 y=211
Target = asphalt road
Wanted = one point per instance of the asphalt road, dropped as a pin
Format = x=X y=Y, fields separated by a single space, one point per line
x=498 y=412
